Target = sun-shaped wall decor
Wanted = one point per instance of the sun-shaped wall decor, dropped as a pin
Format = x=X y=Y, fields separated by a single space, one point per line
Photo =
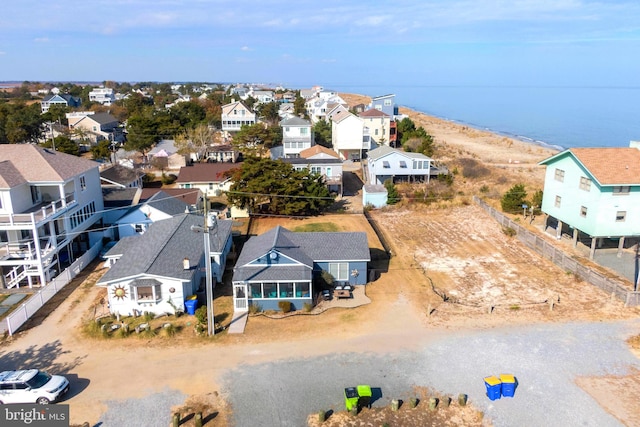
x=119 y=292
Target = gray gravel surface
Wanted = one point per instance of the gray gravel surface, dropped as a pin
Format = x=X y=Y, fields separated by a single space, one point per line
x=545 y=359
x=150 y=411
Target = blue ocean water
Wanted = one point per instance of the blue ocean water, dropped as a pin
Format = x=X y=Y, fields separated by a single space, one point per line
x=562 y=117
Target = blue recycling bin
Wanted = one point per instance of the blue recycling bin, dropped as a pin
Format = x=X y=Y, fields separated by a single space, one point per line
x=494 y=387
x=191 y=305
x=508 y=385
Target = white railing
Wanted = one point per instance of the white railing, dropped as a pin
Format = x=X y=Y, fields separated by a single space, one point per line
x=21 y=314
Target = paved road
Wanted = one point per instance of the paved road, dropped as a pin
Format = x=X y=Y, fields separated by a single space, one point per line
x=546 y=359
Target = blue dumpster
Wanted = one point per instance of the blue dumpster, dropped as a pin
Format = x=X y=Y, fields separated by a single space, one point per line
x=494 y=387
x=508 y=385
x=191 y=305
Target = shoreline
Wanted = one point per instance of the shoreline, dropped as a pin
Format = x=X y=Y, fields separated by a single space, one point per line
x=489 y=146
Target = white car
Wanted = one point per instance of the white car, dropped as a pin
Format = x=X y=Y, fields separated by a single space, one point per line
x=31 y=386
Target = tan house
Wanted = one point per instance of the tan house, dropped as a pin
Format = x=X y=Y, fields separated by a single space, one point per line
x=235 y=115
x=97 y=126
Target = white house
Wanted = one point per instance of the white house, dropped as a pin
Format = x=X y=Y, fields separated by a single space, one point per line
x=594 y=192
x=390 y=163
x=102 y=95
x=348 y=136
x=158 y=207
x=297 y=135
x=157 y=271
x=49 y=201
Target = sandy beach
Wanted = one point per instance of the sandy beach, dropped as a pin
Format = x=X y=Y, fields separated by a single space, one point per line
x=455 y=140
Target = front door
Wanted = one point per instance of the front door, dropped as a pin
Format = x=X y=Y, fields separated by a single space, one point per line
x=240 y=298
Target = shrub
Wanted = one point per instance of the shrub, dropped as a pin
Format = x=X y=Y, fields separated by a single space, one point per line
x=255 y=308
x=471 y=168
x=168 y=179
x=122 y=331
x=168 y=330
x=509 y=231
x=201 y=314
x=445 y=178
x=513 y=199
x=307 y=307
x=484 y=189
x=284 y=306
x=148 y=316
x=393 y=196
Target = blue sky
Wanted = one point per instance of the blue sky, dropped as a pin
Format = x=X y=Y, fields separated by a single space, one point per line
x=334 y=43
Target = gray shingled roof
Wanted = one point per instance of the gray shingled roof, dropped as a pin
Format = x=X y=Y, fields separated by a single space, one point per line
x=120 y=175
x=161 y=249
x=103 y=118
x=295 y=121
x=166 y=203
x=385 y=150
x=305 y=248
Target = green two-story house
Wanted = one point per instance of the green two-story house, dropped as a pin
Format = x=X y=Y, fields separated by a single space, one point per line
x=594 y=192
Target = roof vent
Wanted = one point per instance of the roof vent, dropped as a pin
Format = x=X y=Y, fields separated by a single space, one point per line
x=186 y=264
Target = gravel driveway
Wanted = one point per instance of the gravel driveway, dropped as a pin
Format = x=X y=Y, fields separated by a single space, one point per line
x=545 y=359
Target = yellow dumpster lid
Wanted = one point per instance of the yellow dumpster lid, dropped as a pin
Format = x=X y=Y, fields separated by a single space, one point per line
x=492 y=380
x=507 y=378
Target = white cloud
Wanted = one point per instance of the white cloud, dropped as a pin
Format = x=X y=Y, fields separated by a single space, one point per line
x=41 y=40
x=245 y=49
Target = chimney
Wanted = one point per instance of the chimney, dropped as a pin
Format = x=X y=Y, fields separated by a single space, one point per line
x=186 y=264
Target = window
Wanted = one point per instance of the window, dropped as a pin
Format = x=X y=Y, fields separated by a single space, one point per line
x=304 y=131
x=302 y=290
x=583 y=211
x=339 y=271
x=585 y=183
x=148 y=293
x=83 y=183
x=621 y=190
x=559 y=175
x=385 y=164
x=387 y=102
x=403 y=164
x=316 y=169
x=286 y=290
x=286 y=129
x=255 y=290
x=270 y=290
x=558 y=201
x=139 y=228
x=621 y=216
x=376 y=132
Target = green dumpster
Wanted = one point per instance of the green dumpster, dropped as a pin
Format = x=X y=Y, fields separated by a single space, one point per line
x=357 y=397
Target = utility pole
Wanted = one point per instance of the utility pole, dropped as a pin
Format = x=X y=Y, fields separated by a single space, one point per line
x=207 y=256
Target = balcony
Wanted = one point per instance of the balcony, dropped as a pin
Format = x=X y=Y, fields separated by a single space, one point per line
x=38 y=213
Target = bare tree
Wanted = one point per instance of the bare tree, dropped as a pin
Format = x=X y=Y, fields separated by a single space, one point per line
x=195 y=140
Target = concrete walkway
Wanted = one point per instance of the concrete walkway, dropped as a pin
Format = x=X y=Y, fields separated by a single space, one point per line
x=238 y=323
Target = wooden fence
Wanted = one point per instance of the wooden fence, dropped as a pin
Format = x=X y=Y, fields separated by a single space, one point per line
x=563 y=260
x=21 y=314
